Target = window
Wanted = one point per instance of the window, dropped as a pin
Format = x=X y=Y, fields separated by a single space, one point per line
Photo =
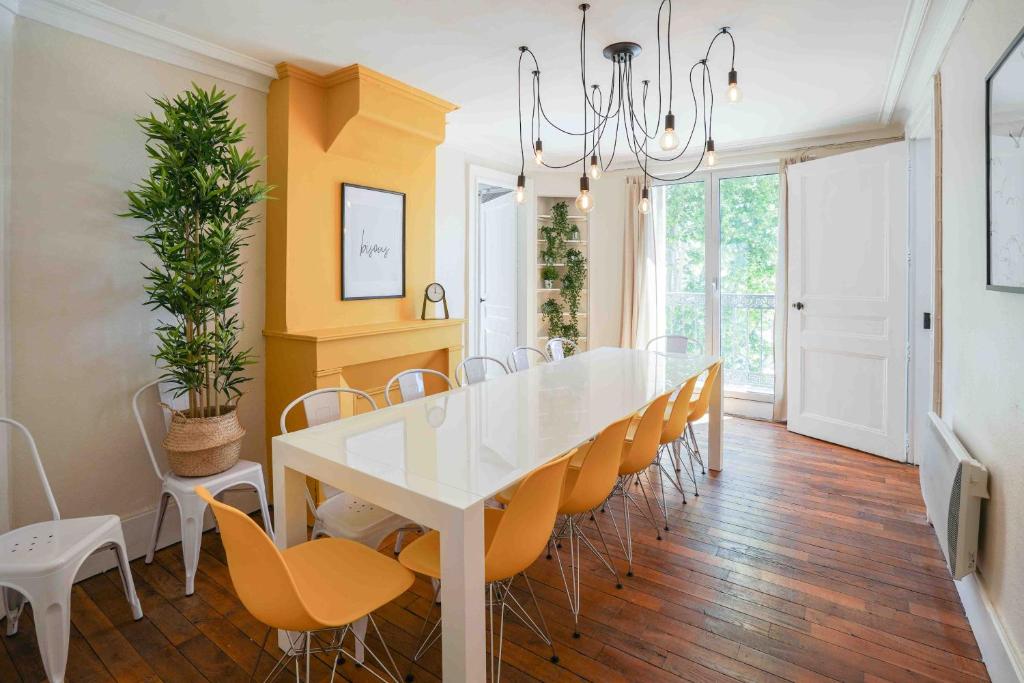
x=721 y=250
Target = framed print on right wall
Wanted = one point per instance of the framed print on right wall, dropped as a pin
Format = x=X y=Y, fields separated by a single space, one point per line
x=1004 y=139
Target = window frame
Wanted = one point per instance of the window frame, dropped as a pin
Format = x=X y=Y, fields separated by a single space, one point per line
x=713 y=262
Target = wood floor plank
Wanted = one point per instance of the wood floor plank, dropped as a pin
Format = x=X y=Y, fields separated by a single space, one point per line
x=801 y=561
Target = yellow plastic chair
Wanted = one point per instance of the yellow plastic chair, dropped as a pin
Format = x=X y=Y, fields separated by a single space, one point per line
x=587 y=485
x=698 y=409
x=671 y=433
x=640 y=452
x=322 y=585
x=513 y=539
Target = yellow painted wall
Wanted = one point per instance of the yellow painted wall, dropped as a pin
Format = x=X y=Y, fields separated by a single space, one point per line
x=351 y=126
x=354 y=126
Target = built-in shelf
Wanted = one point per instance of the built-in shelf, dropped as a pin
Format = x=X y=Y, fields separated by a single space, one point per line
x=582 y=339
x=541 y=290
x=567 y=241
x=547 y=216
x=536 y=325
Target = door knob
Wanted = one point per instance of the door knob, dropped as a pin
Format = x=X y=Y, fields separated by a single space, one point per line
x=798 y=306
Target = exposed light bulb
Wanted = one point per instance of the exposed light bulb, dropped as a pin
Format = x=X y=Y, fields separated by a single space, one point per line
x=595 y=168
x=538 y=152
x=644 y=206
x=733 y=93
x=669 y=141
x=710 y=156
x=585 y=202
x=521 y=189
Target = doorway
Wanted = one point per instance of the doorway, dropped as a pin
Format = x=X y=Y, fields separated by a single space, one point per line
x=494 y=327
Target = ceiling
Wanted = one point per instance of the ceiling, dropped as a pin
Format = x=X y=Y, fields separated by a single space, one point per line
x=805 y=66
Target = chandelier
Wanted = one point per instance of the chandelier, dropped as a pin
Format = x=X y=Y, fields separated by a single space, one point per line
x=618 y=107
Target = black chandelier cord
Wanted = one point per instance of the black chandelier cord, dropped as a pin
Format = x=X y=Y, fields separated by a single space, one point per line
x=519 y=97
x=621 y=105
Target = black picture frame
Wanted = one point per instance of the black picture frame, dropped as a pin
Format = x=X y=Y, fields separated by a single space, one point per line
x=1017 y=43
x=344 y=294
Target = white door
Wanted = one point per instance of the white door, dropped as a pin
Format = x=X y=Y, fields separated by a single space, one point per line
x=847 y=369
x=497 y=286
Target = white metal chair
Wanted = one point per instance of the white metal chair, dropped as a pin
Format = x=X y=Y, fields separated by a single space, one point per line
x=474 y=369
x=410 y=384
x=672 y=343
x=519 y=359
x=191 y=507
x=557 y=346
x=38 y=563
x=342 y=515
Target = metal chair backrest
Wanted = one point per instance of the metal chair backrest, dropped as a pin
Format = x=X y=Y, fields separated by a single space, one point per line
x=672 y=343
x=474 y=369
x=410 y=384
x=323 y=405
x=519 y=359
x=165 y=397
x=557 y=346
x=38 y=462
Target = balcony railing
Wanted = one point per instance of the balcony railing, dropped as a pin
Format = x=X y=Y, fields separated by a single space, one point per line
x=748 y=334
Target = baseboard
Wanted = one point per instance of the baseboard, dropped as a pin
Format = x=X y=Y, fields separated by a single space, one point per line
x=139 y=527
x=999 y=653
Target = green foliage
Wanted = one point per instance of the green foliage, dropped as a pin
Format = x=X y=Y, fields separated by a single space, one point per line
x=749 y=217
x=196 y=202
x=549 y=273
x=573 y=281
x=552 y=312
x=555 y=234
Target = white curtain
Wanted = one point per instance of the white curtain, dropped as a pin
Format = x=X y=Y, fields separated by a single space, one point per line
x=643 y=310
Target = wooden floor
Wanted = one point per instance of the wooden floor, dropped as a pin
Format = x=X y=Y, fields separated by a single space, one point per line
x=802 y=561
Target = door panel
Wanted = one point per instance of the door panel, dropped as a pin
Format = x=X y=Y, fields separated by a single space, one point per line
x=498 y=276
x=847 y=278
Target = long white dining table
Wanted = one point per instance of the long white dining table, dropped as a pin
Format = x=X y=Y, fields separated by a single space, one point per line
x=437 y=460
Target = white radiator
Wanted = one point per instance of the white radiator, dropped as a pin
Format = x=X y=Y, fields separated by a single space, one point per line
x=953 y=484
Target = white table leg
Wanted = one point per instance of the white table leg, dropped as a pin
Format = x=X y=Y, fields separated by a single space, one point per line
x=462 y=596
x=289 y=514
x=715 y=440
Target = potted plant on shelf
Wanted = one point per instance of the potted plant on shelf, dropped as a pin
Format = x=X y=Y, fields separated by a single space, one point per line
x=549 y=274
x=196 y=203
x=552 y=312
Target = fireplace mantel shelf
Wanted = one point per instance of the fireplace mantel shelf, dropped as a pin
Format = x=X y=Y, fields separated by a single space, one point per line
x=339 y=333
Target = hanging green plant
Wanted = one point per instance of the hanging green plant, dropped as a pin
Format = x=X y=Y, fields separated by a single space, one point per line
x=549 y=274
x=573 y=281
x=552 y=312
x=555 y=234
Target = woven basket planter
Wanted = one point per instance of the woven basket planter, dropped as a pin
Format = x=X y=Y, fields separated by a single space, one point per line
x=201 y=446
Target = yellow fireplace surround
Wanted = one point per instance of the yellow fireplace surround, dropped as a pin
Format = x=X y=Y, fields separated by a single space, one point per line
x=350 y=126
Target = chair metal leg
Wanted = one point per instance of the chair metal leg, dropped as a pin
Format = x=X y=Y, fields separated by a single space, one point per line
x=263 y=646
x=14 y=604
x=572 y=582
x=607 y=551
x=161 y=510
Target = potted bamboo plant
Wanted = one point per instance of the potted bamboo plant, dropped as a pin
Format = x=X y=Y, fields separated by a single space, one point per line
x=196 y=202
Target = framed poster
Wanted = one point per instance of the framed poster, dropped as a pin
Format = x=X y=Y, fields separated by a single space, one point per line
x=1005 y=170
x=372 y=243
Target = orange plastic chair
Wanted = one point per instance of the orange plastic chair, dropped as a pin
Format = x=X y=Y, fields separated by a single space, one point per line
x=671 y=434
x=698 y=409
x=640 y=452
x=513 y=539
x=322 y=585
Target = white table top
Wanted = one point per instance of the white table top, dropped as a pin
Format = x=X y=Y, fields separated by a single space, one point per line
x=468 y=444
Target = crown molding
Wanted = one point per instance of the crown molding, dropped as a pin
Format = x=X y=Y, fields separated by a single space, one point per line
x=941 y=23
x=910 y=34
x=100 y=22
x=11 y=6
x=363 y=73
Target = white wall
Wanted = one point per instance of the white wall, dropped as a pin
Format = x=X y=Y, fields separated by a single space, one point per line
x=983 y=379
x=81 y=338
x=6 y=72
x=450 y=227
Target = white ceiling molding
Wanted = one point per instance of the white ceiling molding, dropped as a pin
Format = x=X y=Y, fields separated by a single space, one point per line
x=941 y=22
x=111 y=26
x=913 y=23
x=10 y=5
